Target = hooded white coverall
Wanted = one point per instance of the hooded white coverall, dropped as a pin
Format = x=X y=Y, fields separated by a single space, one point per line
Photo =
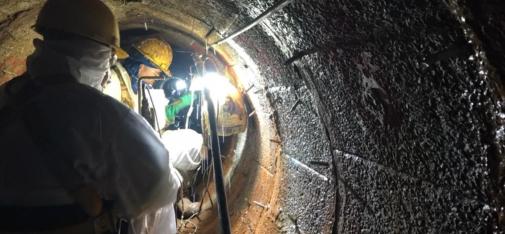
x=58 y=134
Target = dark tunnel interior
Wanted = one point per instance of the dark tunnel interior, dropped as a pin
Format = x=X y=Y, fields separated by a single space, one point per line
x=364 y=116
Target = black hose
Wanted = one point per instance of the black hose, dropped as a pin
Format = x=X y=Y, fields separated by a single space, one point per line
x=218 y=168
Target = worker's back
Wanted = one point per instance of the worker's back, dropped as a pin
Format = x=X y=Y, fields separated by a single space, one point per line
x=59 y=138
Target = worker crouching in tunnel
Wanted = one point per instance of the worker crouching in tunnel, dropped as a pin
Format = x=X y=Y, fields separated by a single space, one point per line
x=149 y=62
x=73 y=159
x=151 y=59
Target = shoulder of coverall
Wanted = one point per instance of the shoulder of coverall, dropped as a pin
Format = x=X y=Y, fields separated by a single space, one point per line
x=10 y=89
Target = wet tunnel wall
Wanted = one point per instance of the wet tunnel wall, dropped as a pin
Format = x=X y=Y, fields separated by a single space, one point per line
x=393 y=94
x=388 y=114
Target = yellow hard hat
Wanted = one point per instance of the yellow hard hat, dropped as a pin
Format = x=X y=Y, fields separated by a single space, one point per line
x=88 y=18
x=158 y=52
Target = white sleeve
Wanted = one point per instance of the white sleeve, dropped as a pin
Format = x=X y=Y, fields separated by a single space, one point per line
x=146 y=180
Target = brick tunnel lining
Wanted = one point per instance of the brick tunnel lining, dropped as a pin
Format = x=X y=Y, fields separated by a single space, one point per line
x=379 y=98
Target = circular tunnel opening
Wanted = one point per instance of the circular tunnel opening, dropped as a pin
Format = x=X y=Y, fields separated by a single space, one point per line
x=242 y=154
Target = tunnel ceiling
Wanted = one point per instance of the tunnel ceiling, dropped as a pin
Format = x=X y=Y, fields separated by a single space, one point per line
x=389 y=113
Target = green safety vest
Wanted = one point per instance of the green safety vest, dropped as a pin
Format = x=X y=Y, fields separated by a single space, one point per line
x=172 y=109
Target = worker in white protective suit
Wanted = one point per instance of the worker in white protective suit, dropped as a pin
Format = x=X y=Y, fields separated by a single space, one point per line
x=152 y=57
x=74 y=160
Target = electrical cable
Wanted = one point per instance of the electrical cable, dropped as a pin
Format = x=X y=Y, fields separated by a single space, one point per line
x=218 y=167
x=277 y=6
x=222 y=206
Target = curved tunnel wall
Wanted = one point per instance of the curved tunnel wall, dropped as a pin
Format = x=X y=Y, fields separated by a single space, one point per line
x=387 y=111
